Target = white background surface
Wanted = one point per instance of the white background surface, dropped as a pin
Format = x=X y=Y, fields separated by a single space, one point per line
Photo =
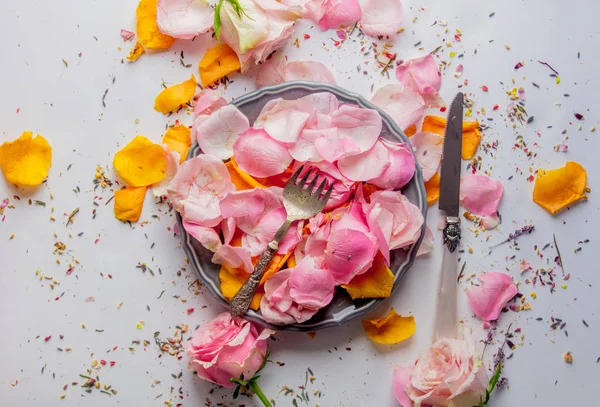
x=64 y=105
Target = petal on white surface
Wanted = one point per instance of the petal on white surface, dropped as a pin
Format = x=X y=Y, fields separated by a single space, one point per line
x=404 y=104
x=428 y=149
x=312 y=71
x=184 y=19
x=217 y=134
x=271 y=72
x=160 y=188
x=332 y=13
x=208 y=101
x=259 y=155
x=480 y=194
x=382 y=17
x=422 y=74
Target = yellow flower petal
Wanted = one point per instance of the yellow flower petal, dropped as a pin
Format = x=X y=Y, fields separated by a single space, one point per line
x=232 y=281
x=471 y=134
x=147 y=29
x=219 y=61
x=174 y=96
x=377 y=282
x=26 y=161
x=391 y=329
x=291 y=263
x=432 y=188
x=141 y=162
x=240 y=179
x=558 y=188
x=137 y=51
x=129 y=202
x=178 y=139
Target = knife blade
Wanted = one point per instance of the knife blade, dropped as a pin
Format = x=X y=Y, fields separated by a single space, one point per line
x=446 y=311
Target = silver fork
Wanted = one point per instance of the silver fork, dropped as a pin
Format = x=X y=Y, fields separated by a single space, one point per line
x=300 y=203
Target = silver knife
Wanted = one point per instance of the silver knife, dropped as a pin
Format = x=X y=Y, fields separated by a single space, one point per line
x=446 y=312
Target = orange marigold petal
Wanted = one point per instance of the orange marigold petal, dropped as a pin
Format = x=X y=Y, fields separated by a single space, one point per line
x=137 y=51
x=471 y=134
x=178 y=139
x=141 y=162
x=376 y=282
x=432 y=188
x=247 y=178
x=411 y=130
x=171 y=98
x=278 y=261
x=147 y=29
x=219 y=61
x=391 y=329
x=291 y=263
x=558 y=188
x=368 y=190
x=26 y=161
x=232 y=280
x=129 y=202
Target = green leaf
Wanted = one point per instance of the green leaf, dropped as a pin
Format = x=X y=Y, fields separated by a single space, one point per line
x=236 y=392
x=493 y=381
x=217 y=22
x=264 y=362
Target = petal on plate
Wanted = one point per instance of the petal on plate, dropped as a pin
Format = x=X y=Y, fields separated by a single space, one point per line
x=198 y=187
x=233 y=258
x=402 y=378
x=480 y=194
x=171 y=98
x=218 y=133
x=334 y=148
x=401 y=168
x=240 y=179
x=391 y=329
x=332 y=13
x=184 y=19
x=259 y=155
x=207 y=102
x=271 y=71
x=324 y=103
x=349 y=253
x=311 y=71
x=559 y=188
x=432 y=188
x=218 y=62
x=178 y=139
x=404 y=104
x=239 y=204
x=342 y=187
x=427 y=243
x=207 y=236
x=304 y=149
x=376 y=282
x=160 y=189
x=310 y=285
x=471 y=134
x=141 y=162
x=365 y=166
x=428 y=149
x=363 y=126
x=382 y=17
x=493 y=293
x=232 y=280
x=284 y=120
x=421 y=73
x=26 y=161
x=129 y=202
x=147 y=28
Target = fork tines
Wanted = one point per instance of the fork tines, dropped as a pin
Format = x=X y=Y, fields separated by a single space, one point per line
x=309 y=190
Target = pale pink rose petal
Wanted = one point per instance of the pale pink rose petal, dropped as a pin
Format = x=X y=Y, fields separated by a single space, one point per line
x=277 y=305
x=271 y=72
x=401 y=168
x=284 y=120
x=459 y=71
x=428 y=149
x=401 y=379
x=363 y=126
x=184 y=19
x=280 y=30
x=268 y=224
x=207 y=236
x=311 y=285
x=160 y=189
x=243 y=32
x=291 y=238
x=198 y=120
x=197 y=188
x=250 y=203
x=382 y=17
x=207 y=102
x=365 y=166
x=480 y=194
x=490 y=222
x=304 y=148
x=427 y=243
x=422 y=74
x=524 y=266
x=561 y=148
x=404 y=104
x=324 y=103
x=311 y=71
x=217 y=134
x=234 y=257
x=259 y=155
x=253 y=244
x=332 y=13
x=127 y=35
x=228 y=227
x=335 y=148
x=342 y=187
x=493 y=293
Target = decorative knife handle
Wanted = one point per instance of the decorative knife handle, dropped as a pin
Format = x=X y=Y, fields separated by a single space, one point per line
x=452 y=233
x=242 y=299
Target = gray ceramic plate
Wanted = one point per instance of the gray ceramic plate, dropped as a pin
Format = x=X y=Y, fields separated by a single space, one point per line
x=342 y=308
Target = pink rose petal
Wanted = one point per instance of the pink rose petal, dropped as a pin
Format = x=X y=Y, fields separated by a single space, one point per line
x=323 y=103
x=271 y=72
x=127 y=35
x=421 y=74
x=480 y=194
x=493 y=293
x=277 y=305
x=382 y=17
x=284 y=120
x=312 y=71
x=304 y=149
x=404 y=104
x=332 y=13
x=360 y=125
x=310 y=285
x=561 y=148
x=401 y=168
x=428 y=149
x=402 y=378
x=207 y=236
x=365 y=166
x=207 y=102
x=184 y=19
x=217 y=134
x=160 y=189
x=524 y=266
x=336 y=147
x=426 y=246
x=490 y=222
x=459 y=71
x=260 y=155
x=234 y=257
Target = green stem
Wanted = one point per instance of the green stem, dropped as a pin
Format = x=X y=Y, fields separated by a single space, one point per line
x=258 y=391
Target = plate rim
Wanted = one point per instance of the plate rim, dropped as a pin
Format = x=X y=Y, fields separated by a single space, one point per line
x=349 y=313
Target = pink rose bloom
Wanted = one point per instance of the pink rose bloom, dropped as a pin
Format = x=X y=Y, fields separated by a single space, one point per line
x=447 y=374
x=226 y=348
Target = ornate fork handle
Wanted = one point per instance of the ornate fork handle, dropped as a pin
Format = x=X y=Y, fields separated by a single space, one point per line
x=242 y=299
